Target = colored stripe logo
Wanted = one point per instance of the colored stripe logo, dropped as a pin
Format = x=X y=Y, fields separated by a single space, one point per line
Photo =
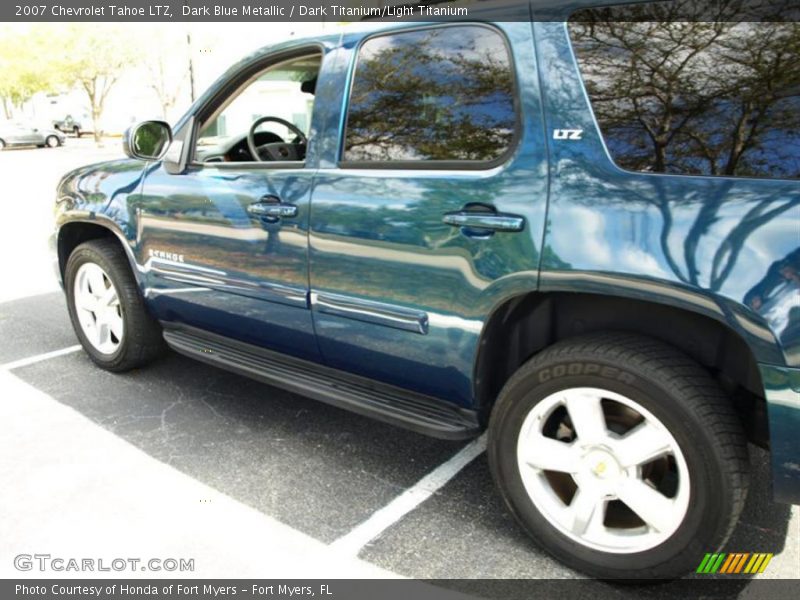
x=735 y=563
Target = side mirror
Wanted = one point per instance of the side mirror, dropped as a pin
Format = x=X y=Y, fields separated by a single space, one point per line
x=148 y=140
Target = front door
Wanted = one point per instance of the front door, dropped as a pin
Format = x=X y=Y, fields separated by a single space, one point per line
x=439 y=192
x=224 y=244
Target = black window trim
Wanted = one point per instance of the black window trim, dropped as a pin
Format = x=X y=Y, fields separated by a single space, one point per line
x=426 y=164
x=237 y=80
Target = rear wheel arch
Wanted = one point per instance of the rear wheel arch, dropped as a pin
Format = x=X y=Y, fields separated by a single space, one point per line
x=526 y=324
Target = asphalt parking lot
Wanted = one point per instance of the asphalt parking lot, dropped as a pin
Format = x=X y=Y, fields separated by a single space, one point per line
x=185 y=459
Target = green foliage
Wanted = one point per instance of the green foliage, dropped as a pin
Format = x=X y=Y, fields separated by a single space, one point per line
x=26 y=65
x=49 y=58
x=93 y=58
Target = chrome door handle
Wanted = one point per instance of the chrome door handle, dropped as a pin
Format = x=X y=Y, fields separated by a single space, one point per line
x=273 y=210
x=485 y=220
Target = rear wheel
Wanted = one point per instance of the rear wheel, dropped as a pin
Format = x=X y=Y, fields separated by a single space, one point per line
x=77 y=131
x=106 y=309
x=620 y=456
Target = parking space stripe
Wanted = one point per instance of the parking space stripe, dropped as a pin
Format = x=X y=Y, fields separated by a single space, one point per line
x=24 y=362
x=81 y=490
x=352 y=542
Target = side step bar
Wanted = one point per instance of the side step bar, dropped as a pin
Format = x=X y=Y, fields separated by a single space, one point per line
x=417 y=412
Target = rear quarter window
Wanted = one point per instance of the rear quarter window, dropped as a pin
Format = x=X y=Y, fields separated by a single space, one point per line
x=692 y=98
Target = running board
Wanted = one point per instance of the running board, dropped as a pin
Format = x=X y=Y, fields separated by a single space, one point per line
x=394 y=405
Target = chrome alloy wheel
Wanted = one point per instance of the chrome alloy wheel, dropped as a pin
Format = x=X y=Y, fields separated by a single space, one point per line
x=603 y=470
x=98 y=308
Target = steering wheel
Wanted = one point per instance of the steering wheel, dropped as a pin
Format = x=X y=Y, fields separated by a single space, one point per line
x=275 y=151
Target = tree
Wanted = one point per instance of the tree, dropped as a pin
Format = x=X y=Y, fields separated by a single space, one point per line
x=93 y=58
x=691 y=79
x=25 y=67
x=165 y=70
x=432 y=96
x=700 y=97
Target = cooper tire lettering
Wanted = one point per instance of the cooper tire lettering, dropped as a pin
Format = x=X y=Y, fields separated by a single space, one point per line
x=575 y=369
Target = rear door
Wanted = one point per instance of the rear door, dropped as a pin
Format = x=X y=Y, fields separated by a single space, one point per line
x=435 y=193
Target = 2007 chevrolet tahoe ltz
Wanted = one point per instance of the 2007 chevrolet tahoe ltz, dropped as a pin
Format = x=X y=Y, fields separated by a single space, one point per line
x=580 y=235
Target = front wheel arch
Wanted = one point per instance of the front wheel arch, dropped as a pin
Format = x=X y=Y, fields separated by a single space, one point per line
x=108 y=313
x=73 y=233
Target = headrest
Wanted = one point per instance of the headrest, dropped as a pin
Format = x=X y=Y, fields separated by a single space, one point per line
x=309 y=86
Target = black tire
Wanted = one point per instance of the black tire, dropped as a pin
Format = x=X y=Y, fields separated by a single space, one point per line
x=142 y=341
x=77 y=131
x=52 y=141
x=2 y=144
x=682 y=396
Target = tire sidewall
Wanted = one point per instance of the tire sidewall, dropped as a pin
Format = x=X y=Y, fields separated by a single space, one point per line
x=701 y=524
x=81 y=256
x=49 y=139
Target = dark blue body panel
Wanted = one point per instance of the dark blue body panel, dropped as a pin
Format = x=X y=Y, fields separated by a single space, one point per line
x=377 y=235
x=782 y=387
x=368 y=279
x=237 y=275
x=703 y=243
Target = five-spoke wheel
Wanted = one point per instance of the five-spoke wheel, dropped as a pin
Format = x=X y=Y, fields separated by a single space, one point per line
x=603 y=469
x=619 y=455
x=106 y=308
x=98 y=308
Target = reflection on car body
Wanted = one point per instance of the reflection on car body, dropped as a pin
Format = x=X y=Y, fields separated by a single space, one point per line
x=580 y=235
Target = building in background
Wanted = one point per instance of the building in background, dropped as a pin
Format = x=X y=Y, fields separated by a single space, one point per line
x=139 y=93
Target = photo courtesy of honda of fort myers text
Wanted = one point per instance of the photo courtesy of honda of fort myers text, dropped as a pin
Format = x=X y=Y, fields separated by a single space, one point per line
x=448 y=300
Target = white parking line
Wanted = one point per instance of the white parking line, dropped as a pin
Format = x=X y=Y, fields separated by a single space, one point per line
x=24 y=362
x=351 y=543
x=73 y=489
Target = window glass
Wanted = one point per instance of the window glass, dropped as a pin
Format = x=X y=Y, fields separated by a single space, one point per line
x=692 y=98
x=443 y=94
x=285 y=91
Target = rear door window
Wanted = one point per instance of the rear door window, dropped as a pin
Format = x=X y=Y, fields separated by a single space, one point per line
x=438 y=95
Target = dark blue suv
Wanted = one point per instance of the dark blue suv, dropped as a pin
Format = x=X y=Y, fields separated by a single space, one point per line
x=580 y=234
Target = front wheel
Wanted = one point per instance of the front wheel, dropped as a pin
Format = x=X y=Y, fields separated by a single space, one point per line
x=106 y=309
x=52 y=141
x=621 y=456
